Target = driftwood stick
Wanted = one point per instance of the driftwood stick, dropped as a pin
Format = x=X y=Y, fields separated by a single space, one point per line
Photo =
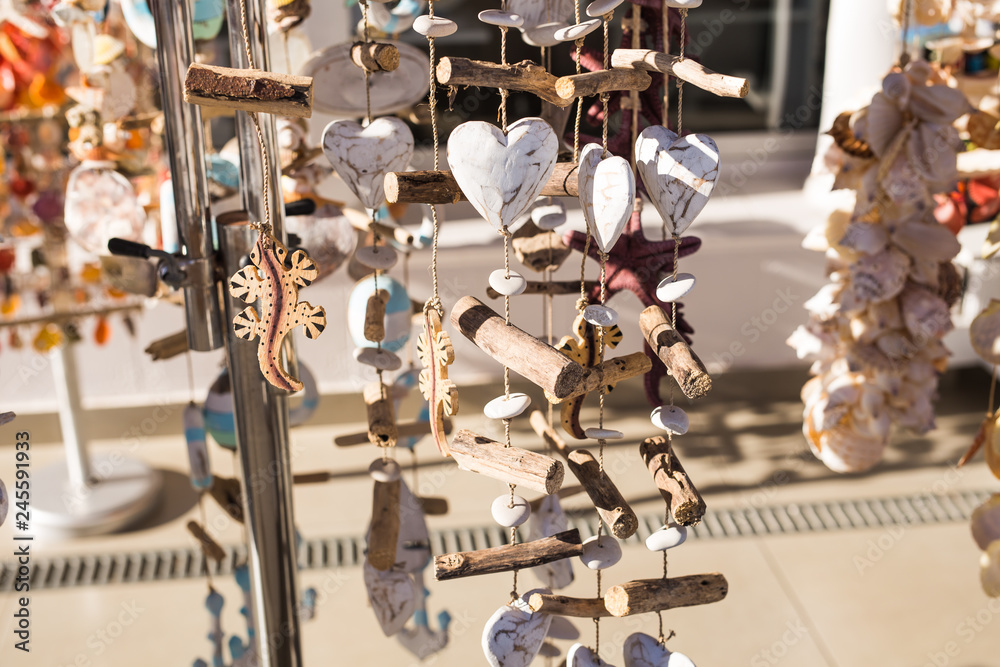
x=612 y=371
x=433 y=505
x=555 y=288
x=375 y=57
x=554 y=372
x=508 y=557
x=318 y=477
x=209 y=546
x=686 y=70
x=608 y=500
x=562 y=605
x=168 y=347
x=384 y=532
x=681 y=361
x=525 y=75
x=249 y=90
x=508 y=464
x=685 y=503
x=381 y=418
x=646 y=595
x=440 y=187
x=602 y=81
x=375 y=316
x=404 y=430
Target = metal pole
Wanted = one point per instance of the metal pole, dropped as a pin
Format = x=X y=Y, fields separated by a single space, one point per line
x=63 y=361
x=261 y=414
x=186 y=152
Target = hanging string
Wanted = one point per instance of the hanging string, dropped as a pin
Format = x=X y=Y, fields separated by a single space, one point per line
x=435 y=300
x=680 y=83
x=579 y=101
x=264 y=226
x=503 y=61
x=634 y=95
x=368 y=75
x=904 y=55
x=665 y=111
x=605 y=97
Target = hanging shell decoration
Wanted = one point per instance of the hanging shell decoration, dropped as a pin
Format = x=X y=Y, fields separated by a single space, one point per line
x=875 y=331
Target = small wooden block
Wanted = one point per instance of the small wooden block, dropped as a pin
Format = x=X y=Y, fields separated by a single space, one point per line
x=681 y=361
x=602 y=81
x=381 y=418
x=561 y=605
x=383 y=534
x=168 y=347
x=646 y=595
x=249 y=90
x=686 y=70
x=375 y=316
x=508 y=557
x=440 y=187
x=525 y=75
x=512 y=465
x=375 y=57
x=433 y=505
x=685 y=503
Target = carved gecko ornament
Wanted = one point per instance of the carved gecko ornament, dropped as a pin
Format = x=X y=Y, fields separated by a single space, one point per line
x=583 y=349
x=268 y=279
x=436 y=354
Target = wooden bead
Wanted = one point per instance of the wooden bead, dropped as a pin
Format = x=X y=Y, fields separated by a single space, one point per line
x=510 y=514
x=599 y=8
x=375 y=57
x=603 y=434
x=670 y=418
x=666 y=537
x=505 y=285
x=375 y=316
x=383 y=360
x=384 y=470
x=578 y=31
x=504 y=407
x=434 y=26
x=380 y=258
x=601 y=316
x=381 y=415
x=600 y=553
x=671 y=289
x=501 y=18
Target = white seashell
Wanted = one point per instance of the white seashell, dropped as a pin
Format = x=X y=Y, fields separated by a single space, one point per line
x=549 y=215
x=986 y=521
x=599 y=8
x=927 y=241
x=865 y=237
x=682 y=4
x=383 y=359
x=880 y=276
x=543 y=35
x=667 y=537
x=546 y=521
x=670 y=418
x=925 y=313
x=537 y=12
x=603 y=434
x=989 y=569
x=393 y=596
x=378 y=257
x=502 y=174
x=674 y=289
x=600 y=316
x=883 y=118
x=939 y=105
x=607 y=192
x=362 y=156
x=499 y=17
x=984 y=333
x=434 y=26
x=510 y=514
x=600 y=553
x=503 y=407
x=641 y=650
x=581 y=656
x=562 y=628
x=514 y=634
x=384 y=470
x=511 y=285
x=578 y=31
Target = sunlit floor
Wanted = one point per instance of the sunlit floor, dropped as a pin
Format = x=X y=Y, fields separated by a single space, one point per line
x=894 y=595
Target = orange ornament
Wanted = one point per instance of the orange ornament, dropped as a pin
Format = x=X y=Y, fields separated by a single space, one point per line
x=102 y=333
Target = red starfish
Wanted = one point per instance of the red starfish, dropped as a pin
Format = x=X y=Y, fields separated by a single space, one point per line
x=637 y=265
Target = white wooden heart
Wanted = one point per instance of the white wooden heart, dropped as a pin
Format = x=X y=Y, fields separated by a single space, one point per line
x=362 y=156
x=679 y=173
x=502 y=175
x=393 y=596
x=514 y=634
x=607 y=192
x=641 y=650
x=581 y=656
x=546 y=521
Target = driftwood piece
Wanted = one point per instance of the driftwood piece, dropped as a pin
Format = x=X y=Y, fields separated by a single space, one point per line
x=611 y=371
x=228 y=493
x=686 y=70
x=555 y=288
x=433 y=505
x=525 y=75
x=539 y=250
x=375 y=316
x=508 y=557
x=318 y=477
x=403 y=430
x=440 y=187
x=608 y=500
x=685 y=503
x=381 y=418
x=508 y=464
x=521 y=352
x=562 y=605
x=375 y=57
x=249 y=90
x=602 y=81
x=209 y=546
x=383 y=534
x=168 y=347
x=681 y=361
x=646 y=595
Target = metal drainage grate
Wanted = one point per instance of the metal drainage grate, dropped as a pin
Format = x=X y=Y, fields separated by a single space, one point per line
x=91 y=570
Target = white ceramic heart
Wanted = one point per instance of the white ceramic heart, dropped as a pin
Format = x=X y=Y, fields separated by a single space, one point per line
x=679 y=173
x=607 y=192
x=393 y=596
x=641 y=650
x=581 y=656
x=546 y=521
x=514 y=634
x=362 y=156
x=502 y=175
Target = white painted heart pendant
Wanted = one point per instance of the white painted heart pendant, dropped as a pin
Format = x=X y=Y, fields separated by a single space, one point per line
x=514 y=634
x=393 y=596
x=641 y=650
x=362 y=156
x=581 y=656
x=679 y=173
x=502 y=175
x=607 y=192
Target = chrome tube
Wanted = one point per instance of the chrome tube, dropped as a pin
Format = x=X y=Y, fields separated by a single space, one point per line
x=186 y=151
